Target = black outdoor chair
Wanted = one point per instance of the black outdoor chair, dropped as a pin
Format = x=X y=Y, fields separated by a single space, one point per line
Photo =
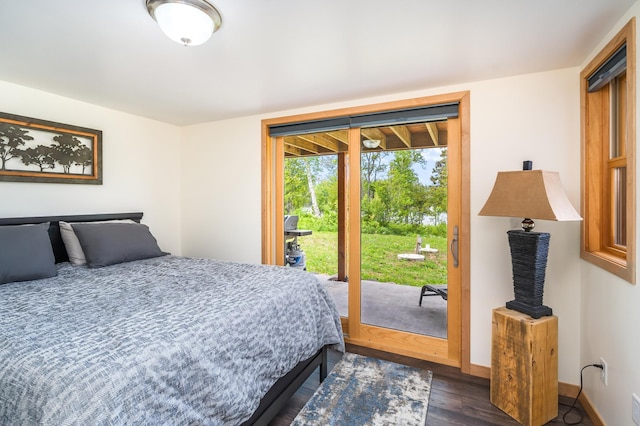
x=433 y=290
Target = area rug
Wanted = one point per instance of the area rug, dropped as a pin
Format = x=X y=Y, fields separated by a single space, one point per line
x=368 y=391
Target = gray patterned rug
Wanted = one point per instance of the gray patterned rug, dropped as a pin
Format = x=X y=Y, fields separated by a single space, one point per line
x=368 y=391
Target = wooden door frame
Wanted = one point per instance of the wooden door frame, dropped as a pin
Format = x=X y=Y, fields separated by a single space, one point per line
x=453 y=351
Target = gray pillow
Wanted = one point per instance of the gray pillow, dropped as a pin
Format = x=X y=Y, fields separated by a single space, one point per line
x=71 y=243
x=26 y=253
x=110 y=243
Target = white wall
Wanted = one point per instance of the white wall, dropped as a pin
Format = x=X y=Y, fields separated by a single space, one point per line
x=141 y=166
x=530 y=117
x=222 y=189
x=611 y=315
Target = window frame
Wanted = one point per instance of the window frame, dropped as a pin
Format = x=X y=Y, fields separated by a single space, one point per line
x=598 y=202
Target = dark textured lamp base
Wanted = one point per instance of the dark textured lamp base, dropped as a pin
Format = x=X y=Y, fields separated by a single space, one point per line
x=529 y=262
x=531 y=310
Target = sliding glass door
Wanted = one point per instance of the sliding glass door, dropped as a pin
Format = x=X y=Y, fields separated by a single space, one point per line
x=386 y=217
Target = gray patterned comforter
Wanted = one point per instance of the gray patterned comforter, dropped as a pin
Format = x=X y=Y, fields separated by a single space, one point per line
x=169 y=340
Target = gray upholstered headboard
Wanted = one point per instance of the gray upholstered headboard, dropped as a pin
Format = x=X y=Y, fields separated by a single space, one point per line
x=54 y=229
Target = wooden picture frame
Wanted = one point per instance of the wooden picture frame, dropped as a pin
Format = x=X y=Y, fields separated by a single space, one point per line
x=34 y=150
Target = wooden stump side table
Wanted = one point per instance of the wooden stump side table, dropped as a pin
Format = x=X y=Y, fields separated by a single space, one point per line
x=524 y=366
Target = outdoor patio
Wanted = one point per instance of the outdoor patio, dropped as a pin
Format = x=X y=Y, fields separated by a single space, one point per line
x=393 y=306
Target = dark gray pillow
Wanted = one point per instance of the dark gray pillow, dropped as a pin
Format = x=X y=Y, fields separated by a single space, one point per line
x=110 y=243
x=26 y=253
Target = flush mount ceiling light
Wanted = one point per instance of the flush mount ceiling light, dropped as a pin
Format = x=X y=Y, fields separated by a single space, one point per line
x=371 y=143
x=188 y=22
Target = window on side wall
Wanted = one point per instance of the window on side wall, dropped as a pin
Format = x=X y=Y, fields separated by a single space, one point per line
x=608 y=156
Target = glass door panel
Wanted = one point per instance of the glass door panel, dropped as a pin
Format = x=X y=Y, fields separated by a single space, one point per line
x=314 y=209
x=403 y=223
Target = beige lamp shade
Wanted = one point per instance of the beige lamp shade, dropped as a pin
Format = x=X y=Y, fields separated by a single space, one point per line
x=533 y=194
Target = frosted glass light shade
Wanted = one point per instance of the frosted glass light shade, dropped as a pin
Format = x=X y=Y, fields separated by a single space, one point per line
x=188 y=22
x=371 y=143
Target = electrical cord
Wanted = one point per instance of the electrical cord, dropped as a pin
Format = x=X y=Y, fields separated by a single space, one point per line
x=575 y=401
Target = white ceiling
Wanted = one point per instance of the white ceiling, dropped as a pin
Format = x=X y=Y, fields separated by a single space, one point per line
x=272 y=55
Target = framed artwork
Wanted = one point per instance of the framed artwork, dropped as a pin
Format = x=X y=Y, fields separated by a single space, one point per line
x=33 y=150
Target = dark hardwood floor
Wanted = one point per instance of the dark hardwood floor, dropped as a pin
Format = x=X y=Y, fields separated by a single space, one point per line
x=456 y=398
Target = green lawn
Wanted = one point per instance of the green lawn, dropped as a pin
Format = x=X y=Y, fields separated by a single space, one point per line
x=380 y=258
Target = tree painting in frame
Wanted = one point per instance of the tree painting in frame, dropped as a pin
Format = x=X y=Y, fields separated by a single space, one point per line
x=33 y=150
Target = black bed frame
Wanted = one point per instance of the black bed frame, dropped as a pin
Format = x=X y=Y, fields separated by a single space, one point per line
x=275 y=399
x=286 y=386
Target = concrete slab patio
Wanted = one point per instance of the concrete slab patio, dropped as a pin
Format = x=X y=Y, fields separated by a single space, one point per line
x=393 y=306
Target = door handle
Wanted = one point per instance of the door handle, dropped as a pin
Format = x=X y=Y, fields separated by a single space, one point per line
x=454 y=246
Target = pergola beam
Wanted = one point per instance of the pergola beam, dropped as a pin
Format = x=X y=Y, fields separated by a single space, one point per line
x=432 y=128
x=403 y=133
x=292 y=150
x=322 y=140
x=339 y=135
x=296 y=141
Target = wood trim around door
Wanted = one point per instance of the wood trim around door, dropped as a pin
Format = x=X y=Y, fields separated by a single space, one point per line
x=464 y=115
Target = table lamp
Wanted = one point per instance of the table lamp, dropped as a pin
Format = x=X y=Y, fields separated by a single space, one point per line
x=531 y=194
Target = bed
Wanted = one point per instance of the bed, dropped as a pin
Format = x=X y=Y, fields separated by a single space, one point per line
x=157 y=340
